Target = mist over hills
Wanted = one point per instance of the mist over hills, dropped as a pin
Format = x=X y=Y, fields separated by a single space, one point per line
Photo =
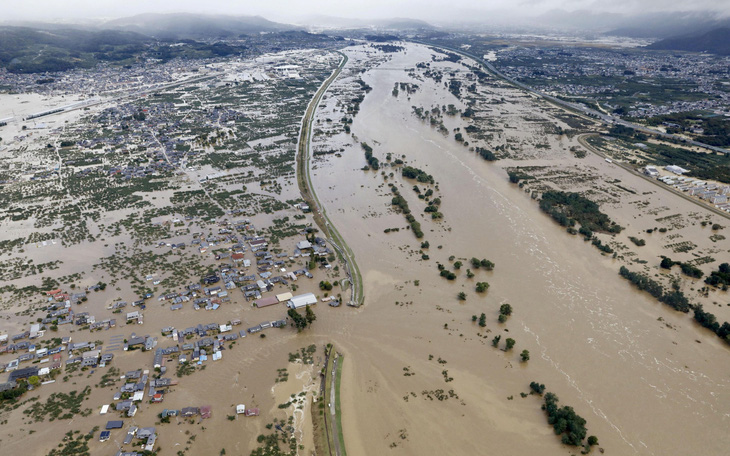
x=398 y=23
x=40 y=47
x=31 y=47
x=196 y=26
x=716 y=41
x=645 y=25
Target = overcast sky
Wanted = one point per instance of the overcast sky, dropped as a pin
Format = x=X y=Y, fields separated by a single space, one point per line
x=290 y=10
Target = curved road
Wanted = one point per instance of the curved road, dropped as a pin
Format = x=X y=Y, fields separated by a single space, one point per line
x=607 y=119
x=584 y=143
x=304 y=180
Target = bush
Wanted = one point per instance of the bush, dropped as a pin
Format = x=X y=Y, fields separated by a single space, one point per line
x=537 y=388
x=569 y=208
x=691 y=271
x=510 y=344
x=721 y=277
x=637 y=241
x=565 y=421
x=448 y=274
x=418 y=174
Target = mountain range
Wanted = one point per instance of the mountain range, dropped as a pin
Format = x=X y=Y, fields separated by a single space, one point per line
x=715 y=41
x=196 y=26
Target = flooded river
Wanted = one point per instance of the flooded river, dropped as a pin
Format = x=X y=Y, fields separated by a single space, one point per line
x=646 y=381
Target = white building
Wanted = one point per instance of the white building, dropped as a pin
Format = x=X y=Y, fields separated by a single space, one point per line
x=675 y=169
x=303 y=245
x=302 y=300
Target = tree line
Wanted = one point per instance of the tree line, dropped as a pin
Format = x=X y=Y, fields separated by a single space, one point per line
x=674 y=298
x=569 y=208
x=678 y=301
x=566 y=423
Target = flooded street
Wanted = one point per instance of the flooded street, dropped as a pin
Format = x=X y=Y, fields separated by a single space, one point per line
x=646 y=381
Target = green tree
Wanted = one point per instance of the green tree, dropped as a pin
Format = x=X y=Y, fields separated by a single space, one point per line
x=457 y=265
x=299 y=321
x=482 y=287
x=510 y=343
x=469 y=274
x=461 y=296
x=309 y=315
x=505 y=309
x=592 y=440
x=34 y=380
x=538 y=388
x=496 y=340
x=486 y=264
x=483 y=320
x=525 y=355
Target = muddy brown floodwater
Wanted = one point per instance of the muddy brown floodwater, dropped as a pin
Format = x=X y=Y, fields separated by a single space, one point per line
x=644 y=386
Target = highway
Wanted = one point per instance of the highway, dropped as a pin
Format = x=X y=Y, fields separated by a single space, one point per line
x=606 y=119
x=584 y=143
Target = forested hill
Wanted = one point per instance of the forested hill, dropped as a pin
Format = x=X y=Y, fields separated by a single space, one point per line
x=52 y=48
x=716 y=41
x=27 y=50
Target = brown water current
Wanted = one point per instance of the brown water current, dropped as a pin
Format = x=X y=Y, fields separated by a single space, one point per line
x=643 y=387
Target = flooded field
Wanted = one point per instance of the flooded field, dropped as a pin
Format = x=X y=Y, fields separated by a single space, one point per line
x=427 y=369
x=631 y=367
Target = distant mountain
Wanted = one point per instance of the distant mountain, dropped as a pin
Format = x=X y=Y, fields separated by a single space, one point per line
x=666 y=25
x=716 y=41
x=394 y=24
x=400 y=23
x=577 y=20
x=196 y=26
x=646 y=25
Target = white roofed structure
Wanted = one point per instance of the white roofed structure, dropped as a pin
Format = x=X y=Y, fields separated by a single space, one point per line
x=302 y=300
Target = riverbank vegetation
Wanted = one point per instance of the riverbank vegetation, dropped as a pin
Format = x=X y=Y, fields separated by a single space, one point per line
x=569 y=208
x=674 y=298
x=565 y=422
x=402 y=206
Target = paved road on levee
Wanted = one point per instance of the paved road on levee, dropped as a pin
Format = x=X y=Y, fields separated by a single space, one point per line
x=333 y=409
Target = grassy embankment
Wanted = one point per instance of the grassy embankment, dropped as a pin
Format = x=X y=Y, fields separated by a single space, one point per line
x=304 y=181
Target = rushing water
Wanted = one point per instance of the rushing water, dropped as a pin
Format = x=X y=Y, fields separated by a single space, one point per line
x=645 y=386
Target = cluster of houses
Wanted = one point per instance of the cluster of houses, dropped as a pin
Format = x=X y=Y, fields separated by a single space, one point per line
x=148 y=435
x=710 y=192
x=231 y=272
x=88 y=355
x=196 y=344
x=31 y=352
